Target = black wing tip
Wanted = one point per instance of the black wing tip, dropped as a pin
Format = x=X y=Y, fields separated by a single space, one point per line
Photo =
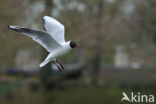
x=9 y=27
x=14 y=28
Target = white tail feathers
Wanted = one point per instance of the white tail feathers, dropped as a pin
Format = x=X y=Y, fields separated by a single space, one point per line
x=44 y=63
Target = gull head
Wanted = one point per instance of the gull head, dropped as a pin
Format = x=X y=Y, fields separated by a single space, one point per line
x=73 y=44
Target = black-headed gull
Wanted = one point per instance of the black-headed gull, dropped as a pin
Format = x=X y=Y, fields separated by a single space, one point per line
x=52 y=40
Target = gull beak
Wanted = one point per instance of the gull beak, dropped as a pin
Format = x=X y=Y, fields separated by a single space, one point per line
x=77 y=46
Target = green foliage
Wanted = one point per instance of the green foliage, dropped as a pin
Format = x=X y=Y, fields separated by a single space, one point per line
x=83 y=27
x=88 y=94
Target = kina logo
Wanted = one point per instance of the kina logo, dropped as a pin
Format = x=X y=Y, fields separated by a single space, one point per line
x=137 y=97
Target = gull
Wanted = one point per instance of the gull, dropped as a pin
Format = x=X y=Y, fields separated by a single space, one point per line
x=52 y=40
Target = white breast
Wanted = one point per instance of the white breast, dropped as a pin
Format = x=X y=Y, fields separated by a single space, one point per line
x=61 y=51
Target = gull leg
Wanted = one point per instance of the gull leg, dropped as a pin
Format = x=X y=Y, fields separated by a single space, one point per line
x=57 y=66
x=60 y=64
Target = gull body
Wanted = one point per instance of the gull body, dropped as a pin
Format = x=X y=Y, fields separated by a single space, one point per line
x=52 y=39
x=57 y=53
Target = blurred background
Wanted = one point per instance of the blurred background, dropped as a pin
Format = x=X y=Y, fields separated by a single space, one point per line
x=117 y=40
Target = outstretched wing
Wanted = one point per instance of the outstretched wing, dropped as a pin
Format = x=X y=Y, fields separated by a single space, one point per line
x=39 y=36
x=54 y=28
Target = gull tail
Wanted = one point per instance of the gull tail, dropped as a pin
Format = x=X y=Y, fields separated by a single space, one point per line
x=44 y=63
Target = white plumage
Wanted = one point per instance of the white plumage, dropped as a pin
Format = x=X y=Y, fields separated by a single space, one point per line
x=52 y=40
x=54 y=28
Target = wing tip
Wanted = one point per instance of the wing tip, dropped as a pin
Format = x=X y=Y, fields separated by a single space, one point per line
x=15 y=28
x=43 y=20
x=44 y=17
x=10 y=27
x=48 y=17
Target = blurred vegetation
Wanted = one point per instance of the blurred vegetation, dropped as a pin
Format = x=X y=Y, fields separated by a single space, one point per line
x=71 y=91
x=98 y=26
x=110 y=25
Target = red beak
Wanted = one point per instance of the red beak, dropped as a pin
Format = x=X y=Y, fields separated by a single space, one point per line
x=77 y=47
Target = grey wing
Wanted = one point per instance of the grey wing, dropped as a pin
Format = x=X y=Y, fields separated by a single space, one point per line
x=42 y=37
x=54 y=28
